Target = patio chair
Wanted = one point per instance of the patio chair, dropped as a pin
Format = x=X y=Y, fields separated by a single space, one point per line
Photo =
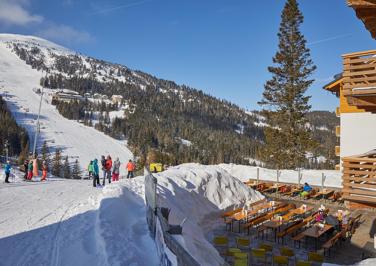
x=315 y=257
x=280 y=260
x=238 y=262
x=303 y=263
x=241 y=256
x=266 y=247
x=288 y=252
x=259 y=255
x=243 y=243
x=221 y=243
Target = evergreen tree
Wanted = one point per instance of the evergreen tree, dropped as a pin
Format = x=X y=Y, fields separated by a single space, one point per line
x=66 y=168
x=76 y=171
x=56 y=163
x=287 y=139
x=24 y=154
x=45 y=153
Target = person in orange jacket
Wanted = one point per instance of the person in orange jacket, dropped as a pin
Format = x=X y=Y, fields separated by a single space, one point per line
x=107 y=167
x=44 y=171
x=130 y=167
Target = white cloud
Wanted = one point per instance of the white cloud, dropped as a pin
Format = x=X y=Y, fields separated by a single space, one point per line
x=103 y=10
x=13 y=12
x=64 y=34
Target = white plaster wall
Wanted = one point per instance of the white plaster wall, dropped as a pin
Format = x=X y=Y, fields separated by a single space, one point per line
x=358 y=133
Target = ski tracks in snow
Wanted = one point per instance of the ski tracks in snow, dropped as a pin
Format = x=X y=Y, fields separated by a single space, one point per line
x=72 y=223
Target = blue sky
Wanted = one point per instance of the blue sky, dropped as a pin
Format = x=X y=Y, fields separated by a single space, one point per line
x=220 y=46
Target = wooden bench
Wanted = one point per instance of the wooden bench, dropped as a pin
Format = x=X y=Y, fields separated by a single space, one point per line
x=230 y=213
x=297 y=238
x=264 y=217
x=332 y=241
x=283 y=233
x=261 y=230
x=294 y=191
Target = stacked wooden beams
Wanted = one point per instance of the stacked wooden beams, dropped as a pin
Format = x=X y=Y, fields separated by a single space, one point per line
x=359 y=179
x=359 y=78
x=366 y=11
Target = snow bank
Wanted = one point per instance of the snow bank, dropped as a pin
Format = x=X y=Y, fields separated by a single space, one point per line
x=367 y=262
x=68 y=222
x=312 y=177
x=200 y=193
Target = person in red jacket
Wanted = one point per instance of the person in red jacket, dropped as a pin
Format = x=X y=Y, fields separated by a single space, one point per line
x=107 y=167
x=44 y=171
x=130 y=167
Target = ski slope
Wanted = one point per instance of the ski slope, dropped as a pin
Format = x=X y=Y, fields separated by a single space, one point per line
x=17 y=80
x=68 y=222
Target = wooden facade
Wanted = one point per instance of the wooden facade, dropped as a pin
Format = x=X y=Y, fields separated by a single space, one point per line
x=359 y=178
x=359 y=79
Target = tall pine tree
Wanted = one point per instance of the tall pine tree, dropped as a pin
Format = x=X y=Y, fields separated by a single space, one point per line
x=76 y=171
x=56 y=163
x=284 y=101
x=66 y=168
x=45 y=153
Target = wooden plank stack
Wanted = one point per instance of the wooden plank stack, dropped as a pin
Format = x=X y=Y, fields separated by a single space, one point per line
x=359 y=179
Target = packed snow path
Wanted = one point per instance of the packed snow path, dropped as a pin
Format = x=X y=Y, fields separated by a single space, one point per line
x=68 y=222
x=17 y=80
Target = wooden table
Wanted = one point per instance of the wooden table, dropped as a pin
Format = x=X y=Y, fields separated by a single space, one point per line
x=239 y=216
x=274 y=225
x=315 y=232
x=301 y=211
x=324 y=193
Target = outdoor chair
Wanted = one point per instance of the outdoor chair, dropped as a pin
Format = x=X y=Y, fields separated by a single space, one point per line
x=315 y=257
x=288 y=252
x=238 y=262
x=243 y=243
x=280 y=260
x=266 y=247
x=259 y=255
x=221 y=243
x=241 y=257
x=303 y=263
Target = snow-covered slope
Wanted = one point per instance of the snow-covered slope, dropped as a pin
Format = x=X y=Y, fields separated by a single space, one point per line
x=68 y=222
x=200 y=193
x=17 y=80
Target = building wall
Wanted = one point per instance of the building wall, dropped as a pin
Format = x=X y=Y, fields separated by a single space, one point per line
x=358 y=133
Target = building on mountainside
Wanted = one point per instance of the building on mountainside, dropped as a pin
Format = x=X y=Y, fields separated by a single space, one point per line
x=116 y=99
x=66 y=96
x=356 y=89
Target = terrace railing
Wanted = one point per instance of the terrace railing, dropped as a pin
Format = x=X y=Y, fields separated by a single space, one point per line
x=359 y=178
x=359 y=84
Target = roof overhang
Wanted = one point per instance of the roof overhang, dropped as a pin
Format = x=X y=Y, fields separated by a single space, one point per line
x=366 y=11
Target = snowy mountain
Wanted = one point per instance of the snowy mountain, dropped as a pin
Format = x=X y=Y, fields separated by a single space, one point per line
x=17 y=81
x=213 y=130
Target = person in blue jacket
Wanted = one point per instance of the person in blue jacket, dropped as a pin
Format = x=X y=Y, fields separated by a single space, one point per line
x=7 y=172
x=306 y=189
x=95 y=173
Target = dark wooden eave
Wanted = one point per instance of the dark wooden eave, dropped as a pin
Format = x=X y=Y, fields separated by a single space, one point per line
x=366 y=11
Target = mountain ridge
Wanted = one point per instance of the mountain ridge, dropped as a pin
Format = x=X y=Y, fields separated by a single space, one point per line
x=226 y=126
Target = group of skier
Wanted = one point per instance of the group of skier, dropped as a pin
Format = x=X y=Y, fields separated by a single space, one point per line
x=110 y=170
x=31 y=170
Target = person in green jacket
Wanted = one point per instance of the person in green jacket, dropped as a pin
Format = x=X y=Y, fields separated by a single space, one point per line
x=30 y=170
x=90 y=169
